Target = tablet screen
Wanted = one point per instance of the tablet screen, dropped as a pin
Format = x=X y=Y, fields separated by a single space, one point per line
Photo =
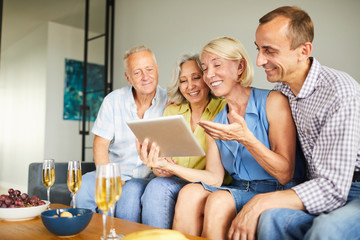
x=171 y=133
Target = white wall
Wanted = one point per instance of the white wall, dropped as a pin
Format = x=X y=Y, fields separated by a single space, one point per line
x=32 y=88
x=23 y=83
x=62 y=139
x=171 y=28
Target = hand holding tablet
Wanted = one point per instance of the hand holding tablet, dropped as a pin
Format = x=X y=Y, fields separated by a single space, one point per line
x=171 y=133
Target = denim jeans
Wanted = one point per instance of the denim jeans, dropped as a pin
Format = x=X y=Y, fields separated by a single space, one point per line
x=341 y=223
x=159 y=199
x=244 y=191
x=85 y=197
x=129 y=205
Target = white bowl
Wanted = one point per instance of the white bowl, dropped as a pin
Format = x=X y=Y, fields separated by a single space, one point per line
x=23 y=213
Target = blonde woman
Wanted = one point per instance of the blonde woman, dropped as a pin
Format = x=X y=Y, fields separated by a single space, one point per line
x=253 y=138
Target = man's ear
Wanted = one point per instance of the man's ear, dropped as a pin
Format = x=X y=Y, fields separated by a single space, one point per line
x=305 y=51
x=157 y=69
x=127 y=78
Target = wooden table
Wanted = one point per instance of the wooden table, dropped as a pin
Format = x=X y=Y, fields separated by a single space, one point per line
x=35 y=230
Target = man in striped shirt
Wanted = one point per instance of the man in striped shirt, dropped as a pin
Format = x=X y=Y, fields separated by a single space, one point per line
x=325 y=105
x=114 y=141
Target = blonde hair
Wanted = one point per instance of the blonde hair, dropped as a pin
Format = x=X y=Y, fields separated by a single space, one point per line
x=231 y=49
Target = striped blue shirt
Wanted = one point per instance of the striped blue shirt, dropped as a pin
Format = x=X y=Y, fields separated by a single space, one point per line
x=117 y=108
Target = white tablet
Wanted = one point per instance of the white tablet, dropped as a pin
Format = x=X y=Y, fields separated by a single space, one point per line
x=171 y=133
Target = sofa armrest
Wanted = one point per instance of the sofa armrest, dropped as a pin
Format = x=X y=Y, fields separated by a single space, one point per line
x=87 y=167
x=35 y=177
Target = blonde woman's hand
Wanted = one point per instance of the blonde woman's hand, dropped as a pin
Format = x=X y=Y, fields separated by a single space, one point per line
x=236 y=129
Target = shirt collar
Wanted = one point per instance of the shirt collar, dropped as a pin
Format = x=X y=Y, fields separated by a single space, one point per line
x=156 y=97
x=211 y=107
x=251 y=106
x=184 y=108
x=153 y=101
x=309 y=85
x=131 y=96
x=251 y=112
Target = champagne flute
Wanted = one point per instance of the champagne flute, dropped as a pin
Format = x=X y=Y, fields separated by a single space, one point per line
x=74 y=179
x=118 y=187
x=48 y=175
x=105 y=191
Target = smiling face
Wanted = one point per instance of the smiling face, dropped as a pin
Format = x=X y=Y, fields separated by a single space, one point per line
x=220 y=74
x=142 y=72
x=191 y=83
x=274 y=51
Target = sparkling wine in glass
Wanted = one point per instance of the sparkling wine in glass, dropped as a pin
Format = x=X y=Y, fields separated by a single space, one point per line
x=118 y=187
x=105 y=191
x=48 y=175
x=74 y=179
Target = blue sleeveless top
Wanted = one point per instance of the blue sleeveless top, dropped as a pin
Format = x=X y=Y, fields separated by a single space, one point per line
x=236 y=159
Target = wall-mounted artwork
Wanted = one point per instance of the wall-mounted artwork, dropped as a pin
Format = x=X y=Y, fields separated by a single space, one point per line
x=73 y=93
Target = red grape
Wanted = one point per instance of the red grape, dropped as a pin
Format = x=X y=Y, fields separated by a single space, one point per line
x=24 y=196
x=3 y=197
x=19 y=203
x=16 y=200
x=8 y=201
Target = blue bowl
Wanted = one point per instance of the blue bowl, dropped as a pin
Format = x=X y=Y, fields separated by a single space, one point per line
x=66 y=226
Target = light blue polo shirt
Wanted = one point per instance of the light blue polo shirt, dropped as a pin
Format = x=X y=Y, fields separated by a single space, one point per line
x=117 y=108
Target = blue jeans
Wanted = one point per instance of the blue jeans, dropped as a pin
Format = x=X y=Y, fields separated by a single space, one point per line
x=341 y=223
x=85 y=197
x=129 y=205
x=244 y=191
x=159 y=199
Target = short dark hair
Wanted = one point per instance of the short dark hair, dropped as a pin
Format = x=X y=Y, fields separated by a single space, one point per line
x=301 y=27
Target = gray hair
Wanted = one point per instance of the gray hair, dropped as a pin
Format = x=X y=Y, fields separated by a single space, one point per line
x=136 y=49
x=174 y=93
